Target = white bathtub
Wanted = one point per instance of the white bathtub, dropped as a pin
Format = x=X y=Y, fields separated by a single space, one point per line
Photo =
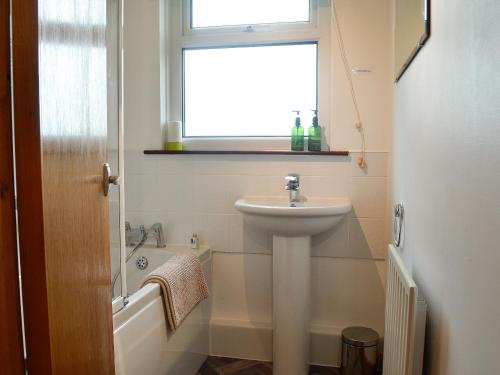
x=143 y=345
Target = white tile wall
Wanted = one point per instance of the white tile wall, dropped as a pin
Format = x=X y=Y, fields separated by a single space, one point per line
x=369 y=195
x=366 y=238
x=242 y=289
x=344 y=291
x=348 y=292
x=197 y=194
x=175 y=193
x=141 y=192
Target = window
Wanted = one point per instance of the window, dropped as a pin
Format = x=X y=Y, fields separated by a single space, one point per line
x=247 y=91
x=214 y=13
x=238 y=68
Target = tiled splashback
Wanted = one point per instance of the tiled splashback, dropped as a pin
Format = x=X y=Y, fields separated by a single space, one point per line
x=196 y=194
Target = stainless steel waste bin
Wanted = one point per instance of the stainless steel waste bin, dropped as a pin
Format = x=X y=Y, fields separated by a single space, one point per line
x=359 y=351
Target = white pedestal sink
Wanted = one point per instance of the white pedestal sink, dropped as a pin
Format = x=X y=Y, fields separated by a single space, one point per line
x=292 y=228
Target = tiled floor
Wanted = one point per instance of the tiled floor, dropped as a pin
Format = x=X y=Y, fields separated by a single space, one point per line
x=231 y=366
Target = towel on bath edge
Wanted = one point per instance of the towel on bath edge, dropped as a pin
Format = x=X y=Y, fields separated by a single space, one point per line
x=183 y=285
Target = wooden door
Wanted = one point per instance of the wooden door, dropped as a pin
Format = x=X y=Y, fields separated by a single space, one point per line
x=59 y=65
x=11 y=350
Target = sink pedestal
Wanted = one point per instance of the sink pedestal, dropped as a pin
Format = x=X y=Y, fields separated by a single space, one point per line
x=291 y=304
x=292 y=227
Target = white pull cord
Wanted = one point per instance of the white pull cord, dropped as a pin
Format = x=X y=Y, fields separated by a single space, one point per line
x=359 y=125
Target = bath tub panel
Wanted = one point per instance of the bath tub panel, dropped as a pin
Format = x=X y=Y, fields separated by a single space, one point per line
x=144 y=345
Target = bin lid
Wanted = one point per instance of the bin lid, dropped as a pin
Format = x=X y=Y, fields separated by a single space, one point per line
x=360 y=336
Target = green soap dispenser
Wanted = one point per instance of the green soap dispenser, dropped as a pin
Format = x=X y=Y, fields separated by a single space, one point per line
x=314 y=134
x=297 y=134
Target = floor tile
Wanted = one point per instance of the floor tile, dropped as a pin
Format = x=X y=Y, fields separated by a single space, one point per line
x=232 y=366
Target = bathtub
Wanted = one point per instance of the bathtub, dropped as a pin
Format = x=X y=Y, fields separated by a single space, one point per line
x=143 y=345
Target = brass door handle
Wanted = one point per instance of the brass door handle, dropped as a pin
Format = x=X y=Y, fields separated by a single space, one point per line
x=108 y=179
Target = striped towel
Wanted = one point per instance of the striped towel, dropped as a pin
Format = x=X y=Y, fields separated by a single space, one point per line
x=183 y=285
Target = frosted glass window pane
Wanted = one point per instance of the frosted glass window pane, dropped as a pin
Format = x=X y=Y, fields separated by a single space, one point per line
x=248 y=91
x=213 y=13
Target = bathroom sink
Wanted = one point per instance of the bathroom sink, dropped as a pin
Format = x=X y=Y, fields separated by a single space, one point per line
x=292 y=221
x=307 y=217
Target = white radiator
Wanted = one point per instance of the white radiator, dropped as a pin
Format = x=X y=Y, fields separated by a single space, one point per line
x=405 y=317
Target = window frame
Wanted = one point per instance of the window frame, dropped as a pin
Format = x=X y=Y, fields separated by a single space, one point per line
x=180 y=36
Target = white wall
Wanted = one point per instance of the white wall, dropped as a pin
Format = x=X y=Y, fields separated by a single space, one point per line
x=447 y=173
x=196 y=193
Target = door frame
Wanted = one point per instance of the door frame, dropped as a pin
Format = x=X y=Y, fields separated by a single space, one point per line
x=29 y=184
x=11 y=342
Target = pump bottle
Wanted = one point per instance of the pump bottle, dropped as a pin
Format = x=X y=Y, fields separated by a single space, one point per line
x=314 y=134
x=297 y=134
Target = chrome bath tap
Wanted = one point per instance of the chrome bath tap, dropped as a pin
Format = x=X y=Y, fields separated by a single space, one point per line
x=135 y=236
x=156 y=231
x=293 y=186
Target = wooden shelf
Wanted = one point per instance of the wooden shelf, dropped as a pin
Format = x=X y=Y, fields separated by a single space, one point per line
x=244 y=152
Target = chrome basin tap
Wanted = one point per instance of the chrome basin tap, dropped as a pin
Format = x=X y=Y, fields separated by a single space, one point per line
x=293 y=186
